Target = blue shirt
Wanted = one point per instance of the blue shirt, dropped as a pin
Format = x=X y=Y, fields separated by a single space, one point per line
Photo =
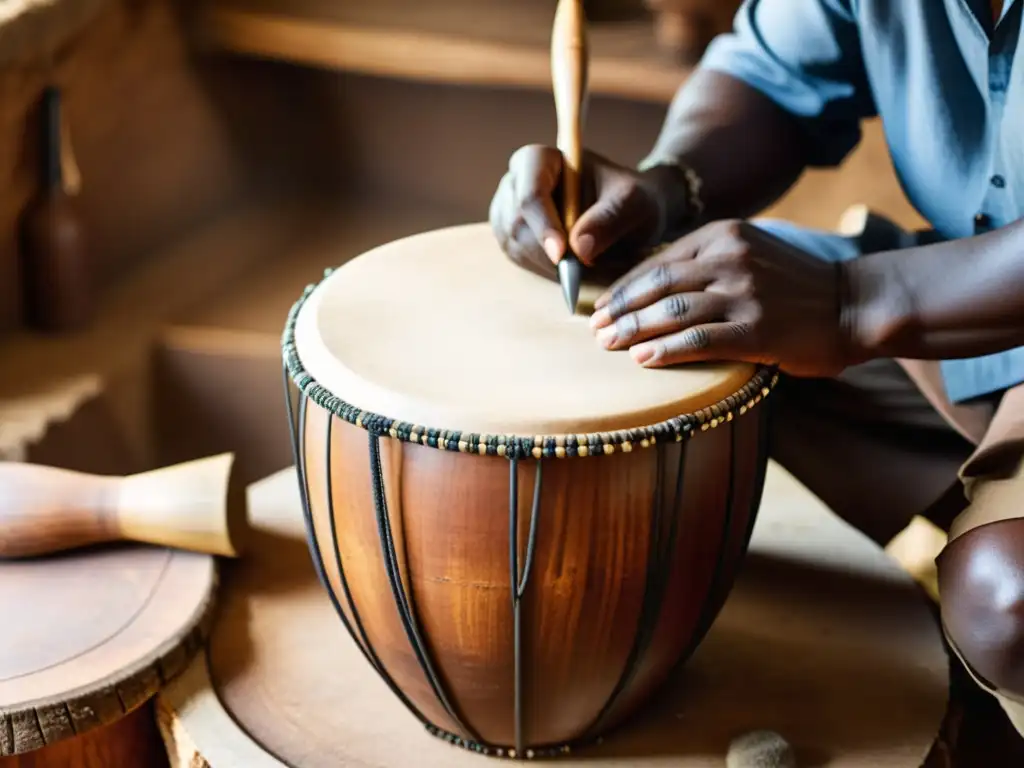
x=951 y=103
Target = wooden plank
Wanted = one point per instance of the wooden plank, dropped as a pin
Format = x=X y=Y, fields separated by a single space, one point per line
x=152 y=147
x=37 y=28
x=473 y=42
x=186 y=272
x=39 y=372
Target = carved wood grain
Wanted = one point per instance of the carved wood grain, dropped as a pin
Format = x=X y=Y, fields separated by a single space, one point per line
x=28 y=726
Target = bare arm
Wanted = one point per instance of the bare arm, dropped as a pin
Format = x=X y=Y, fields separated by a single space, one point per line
x=746 y=149
x=784 y=91
x=964 y=298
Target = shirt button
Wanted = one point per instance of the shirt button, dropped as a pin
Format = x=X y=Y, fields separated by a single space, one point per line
x=998 y=181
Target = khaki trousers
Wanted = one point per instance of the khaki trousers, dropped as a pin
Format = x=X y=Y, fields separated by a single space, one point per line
x=878 y=452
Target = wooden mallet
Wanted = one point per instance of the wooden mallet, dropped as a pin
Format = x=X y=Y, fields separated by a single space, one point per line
x=569 y=74
x=198 y=506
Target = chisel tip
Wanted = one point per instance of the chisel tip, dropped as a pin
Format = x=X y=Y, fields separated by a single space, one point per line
x=569 y=270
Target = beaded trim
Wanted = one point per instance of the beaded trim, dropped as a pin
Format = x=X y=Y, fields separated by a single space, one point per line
x=539 y=753
x=511 y=446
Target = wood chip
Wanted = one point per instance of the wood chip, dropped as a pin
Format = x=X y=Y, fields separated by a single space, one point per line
x=760 y=749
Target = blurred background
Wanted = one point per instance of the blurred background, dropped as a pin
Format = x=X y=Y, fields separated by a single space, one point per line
x=207 y=159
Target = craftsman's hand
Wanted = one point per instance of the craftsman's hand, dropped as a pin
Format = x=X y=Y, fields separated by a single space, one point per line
x=729 y=291
x=620 y=214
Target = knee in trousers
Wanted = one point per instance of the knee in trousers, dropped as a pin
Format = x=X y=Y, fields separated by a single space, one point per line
x=981 y=588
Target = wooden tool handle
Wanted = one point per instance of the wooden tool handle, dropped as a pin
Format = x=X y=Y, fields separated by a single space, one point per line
x=197 y=506
x=569 y=70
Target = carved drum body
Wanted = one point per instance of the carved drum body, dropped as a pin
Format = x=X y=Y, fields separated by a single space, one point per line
x=523 y=533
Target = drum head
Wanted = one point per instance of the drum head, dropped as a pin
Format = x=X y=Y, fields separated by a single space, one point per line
x=442 y=330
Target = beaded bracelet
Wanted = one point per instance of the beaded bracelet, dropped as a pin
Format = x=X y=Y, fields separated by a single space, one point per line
x=688 y=199
x=694 y=184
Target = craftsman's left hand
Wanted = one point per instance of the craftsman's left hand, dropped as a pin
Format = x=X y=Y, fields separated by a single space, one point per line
x=728 y=291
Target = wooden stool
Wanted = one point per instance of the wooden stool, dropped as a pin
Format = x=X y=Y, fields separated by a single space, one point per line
x=823 y=639
x=88 y=638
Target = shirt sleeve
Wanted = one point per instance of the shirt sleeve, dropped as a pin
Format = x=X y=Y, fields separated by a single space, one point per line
x=805 y=55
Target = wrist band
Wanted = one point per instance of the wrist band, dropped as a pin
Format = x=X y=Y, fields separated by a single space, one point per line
x=681 y=205
x=694 y=184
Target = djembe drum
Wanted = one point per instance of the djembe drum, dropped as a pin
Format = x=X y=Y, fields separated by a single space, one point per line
x=523 y=533
x=823 y=639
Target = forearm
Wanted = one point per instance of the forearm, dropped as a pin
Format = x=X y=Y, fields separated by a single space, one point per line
x=745 y=148
x=964 y=298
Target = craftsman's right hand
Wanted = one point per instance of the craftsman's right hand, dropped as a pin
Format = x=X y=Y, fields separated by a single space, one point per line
x=620 y=218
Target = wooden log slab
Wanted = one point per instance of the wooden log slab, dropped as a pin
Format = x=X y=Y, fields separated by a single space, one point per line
x=88 y=639
x=824 y=640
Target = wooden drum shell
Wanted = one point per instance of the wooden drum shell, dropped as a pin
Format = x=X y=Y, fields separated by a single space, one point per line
x=129 y=742
x=627 y=571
